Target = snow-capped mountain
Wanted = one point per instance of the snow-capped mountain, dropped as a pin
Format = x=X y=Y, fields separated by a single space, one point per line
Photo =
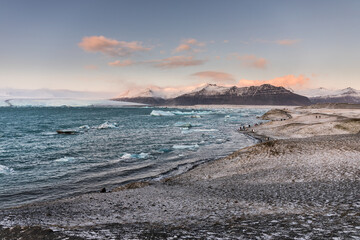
x=153 y=92
x=323 y=95
x=213 y=94
x=156 y=95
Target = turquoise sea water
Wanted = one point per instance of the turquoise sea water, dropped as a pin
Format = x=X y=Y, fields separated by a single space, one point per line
x=112 y=146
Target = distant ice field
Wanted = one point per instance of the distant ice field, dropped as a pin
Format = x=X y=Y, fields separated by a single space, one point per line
x=109 y=146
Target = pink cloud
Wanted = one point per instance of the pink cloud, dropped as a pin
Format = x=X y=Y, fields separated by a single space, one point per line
x=183 y=47
x=188 y=44
x=287 y=42
x=110 y=47
x=178 y=61
x=119 y=63
x=285 y=81
x=213 y=76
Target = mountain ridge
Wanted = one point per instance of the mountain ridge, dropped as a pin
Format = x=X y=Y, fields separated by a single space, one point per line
x=323 y=95
x=265 y=94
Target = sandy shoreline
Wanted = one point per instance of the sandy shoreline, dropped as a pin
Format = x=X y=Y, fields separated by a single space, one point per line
x=305 y=187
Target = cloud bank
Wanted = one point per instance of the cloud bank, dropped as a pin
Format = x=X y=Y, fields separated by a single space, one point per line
x=119 y=63
x=285 y=81
x=111 y=47
x=188 y=45
x=217 y=77
x=178 y=61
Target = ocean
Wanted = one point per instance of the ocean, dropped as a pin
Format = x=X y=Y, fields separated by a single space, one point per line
x=111 y=146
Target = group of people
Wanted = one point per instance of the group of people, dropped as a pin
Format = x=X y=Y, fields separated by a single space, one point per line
x=244 y=127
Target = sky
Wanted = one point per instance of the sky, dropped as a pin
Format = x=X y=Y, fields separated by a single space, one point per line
x=111 y=46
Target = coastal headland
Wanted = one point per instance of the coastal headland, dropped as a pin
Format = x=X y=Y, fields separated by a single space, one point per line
x=304 y=184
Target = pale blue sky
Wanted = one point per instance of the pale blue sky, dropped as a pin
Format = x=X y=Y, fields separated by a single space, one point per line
x=253 y=40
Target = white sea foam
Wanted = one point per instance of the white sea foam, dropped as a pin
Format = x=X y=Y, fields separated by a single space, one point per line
x=6 y=170
x=187 y=130
x=205 y=130
x=187 y=124
x=107 y=125
x=159 y=113
x=84 y=127
x=65 y=159
x=177 y=112
x=49 y=133
x=138 y=156
x=179 y=146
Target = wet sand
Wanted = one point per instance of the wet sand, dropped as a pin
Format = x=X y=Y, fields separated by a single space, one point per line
x=305 y=188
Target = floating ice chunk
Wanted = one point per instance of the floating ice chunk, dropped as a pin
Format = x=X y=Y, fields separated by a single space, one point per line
x=179 y=146
x=227 y=116
x=161 y=113
x=107 y=125
x=220 y=141
x=202 y=142
x=65 y=159
x=126 y=156
x=195 y=116
x=143 y=155
x=6 y=170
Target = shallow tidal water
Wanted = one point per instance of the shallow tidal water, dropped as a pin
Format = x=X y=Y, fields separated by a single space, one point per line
x=111 y=146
